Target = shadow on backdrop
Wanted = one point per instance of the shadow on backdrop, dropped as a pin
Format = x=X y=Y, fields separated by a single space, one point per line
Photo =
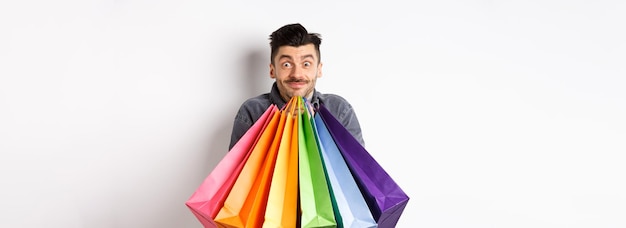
x=257 y=80
x=252 y=80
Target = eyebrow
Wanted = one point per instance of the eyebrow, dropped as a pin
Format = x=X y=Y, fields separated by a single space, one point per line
x=291 y=58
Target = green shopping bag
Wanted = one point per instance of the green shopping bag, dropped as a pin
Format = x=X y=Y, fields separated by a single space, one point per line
x=315 y=202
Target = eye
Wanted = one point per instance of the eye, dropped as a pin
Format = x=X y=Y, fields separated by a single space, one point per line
x=286 y=65
x=307 y=64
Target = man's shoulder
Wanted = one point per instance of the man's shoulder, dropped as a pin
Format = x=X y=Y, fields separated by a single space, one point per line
x=262 y=101
x=331 y=98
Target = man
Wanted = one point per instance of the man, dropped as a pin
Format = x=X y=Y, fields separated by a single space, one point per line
x=295 y=65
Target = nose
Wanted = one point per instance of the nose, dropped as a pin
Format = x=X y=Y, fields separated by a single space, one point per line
x=297 y=71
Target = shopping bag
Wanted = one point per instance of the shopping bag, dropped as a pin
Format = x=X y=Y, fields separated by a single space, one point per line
x=259 y=202
x=209 y=197
x=238 y=204
x=281 y=210
x=315 y=202
x=350 y=207
x=384 y=197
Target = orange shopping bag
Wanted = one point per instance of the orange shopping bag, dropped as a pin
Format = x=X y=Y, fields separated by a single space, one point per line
x=282 y=201
x=259 y=201
x=209 y=197
x=237 y=208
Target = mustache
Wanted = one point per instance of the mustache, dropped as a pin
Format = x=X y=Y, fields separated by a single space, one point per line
x=296 y=80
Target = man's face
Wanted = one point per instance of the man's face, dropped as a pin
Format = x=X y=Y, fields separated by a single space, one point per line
x=296 y=70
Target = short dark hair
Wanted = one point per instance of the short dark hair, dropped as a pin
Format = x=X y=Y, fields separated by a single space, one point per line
x=293 y=35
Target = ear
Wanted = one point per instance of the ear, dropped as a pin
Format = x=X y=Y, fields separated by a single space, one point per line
x=272 y=71
x=319 y=70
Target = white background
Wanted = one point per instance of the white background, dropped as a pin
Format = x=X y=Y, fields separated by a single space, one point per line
x=487 y=113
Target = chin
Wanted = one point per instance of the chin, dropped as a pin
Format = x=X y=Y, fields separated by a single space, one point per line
x=295 y=94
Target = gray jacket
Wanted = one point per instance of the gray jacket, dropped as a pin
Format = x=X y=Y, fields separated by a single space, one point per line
x=254 y=107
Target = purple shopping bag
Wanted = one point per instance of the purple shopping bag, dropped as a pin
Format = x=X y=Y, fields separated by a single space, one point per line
x=384 y=197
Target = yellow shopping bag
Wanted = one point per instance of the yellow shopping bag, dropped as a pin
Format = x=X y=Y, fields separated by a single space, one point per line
x=282 y=201
x=258 y=203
